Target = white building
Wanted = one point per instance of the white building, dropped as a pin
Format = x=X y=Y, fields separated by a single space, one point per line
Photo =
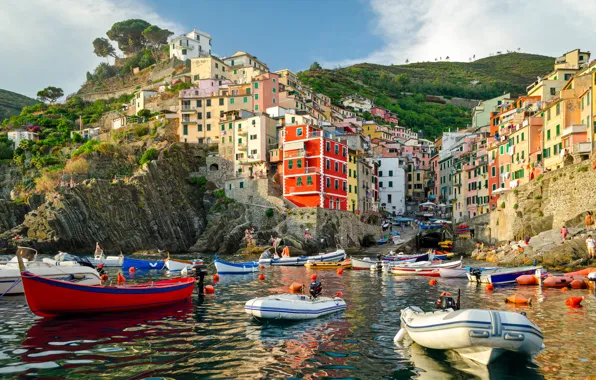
x=192 y=45
x=392 y=185
x=140 y=97
x=19 y=135
x=357 y=103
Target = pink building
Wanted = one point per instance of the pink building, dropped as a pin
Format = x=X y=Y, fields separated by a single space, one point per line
x=265 y=91
x=384 y=114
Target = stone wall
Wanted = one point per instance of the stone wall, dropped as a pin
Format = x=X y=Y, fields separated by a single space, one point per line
x=558 y=198
x=254 y=192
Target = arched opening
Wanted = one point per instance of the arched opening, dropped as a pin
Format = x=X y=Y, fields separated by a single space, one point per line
x=213 y=167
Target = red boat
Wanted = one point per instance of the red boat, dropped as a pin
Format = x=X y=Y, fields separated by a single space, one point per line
x=50 y=298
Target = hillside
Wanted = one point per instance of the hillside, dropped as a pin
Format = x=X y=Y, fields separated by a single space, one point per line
x=400 y=88
x=12 y=103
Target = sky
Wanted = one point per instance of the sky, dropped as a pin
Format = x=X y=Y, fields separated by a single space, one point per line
x=49 y=42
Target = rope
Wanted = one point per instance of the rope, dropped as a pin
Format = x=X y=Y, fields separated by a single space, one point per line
x=12 y=286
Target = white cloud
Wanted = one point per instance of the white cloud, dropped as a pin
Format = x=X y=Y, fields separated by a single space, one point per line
x=49 y=42
x=422 y=30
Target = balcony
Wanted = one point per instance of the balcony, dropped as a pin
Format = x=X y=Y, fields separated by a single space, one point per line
x=187 y=109
x=242 y=132
x=582 y=148
x=573 y=129
x=295 y=153
x=187 y=121
x=307 y=170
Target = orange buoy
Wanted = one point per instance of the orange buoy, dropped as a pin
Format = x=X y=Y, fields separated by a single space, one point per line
x=490 y=287
x=262 y=267
x=565 y=289
x=527 y=279
x=339 y=294
x=557 y=282
x=131 y=270
x=340 y=271
x=296 y=287
x=120 y=279
x=215 y=277
x=574 y=301
x=578 y=284
x=313 y=277
x=432 y=282
x=261 y=277
x=209 y=289
x=103 y=277
x=518 y=300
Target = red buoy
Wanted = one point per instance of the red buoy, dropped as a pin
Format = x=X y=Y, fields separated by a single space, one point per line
x=209 y=289
x=432 y=282
x=120 y=279
x=313 y=277
x=340 y=271
x=103 y=277
x=296 y=288
x=261 y=277
x=490 y=287
x=339 y=294
x=131 y=270
x=578 y=284
x=215 y=277
x=574 y=301
x=262 y=267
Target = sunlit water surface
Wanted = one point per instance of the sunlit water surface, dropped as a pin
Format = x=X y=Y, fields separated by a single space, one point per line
x=215 y=338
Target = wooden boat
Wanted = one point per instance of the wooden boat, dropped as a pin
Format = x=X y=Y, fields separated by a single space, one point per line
x=10 y=275
x=175 y=265
x=347 y=263
x=293 y=307
x=479 y=335
x=459 y=272
x=364 y=263
x=503 y=275
x=400 y=257
x=224 y=267
x=159 y=264
x=430 y=270
x=49 y=298
x=268 y=259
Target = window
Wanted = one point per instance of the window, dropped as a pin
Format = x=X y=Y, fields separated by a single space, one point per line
x=327 y=182
x=185 y=130
x=336 y=149
x=558 y=130
x=230 y=126
x=223 y=127
x=557 y=110
x=299 y=181
x=231 y=100
x=200 y=103
x=298 y=131
x=328 y=146
x=380 y=173
x=256 y=85
x=336 y=184
x=344 y=168
x=290 y=164
x=200 y=116
x=232 y=63
x=548 y=134
x=349 y=172
x=299 y=164
x=256 y=96
x=216 y=65
x=350 y=187
x=183 y=51
x=494 y=186
x=242 y=185
x=344 y=186
x=327 y=164
x=248 y=91
x=208 y=127
x=380 y=184
x=221 y=101
x=245 y=99
x=390 y=173
x=548 y=114
x=274 y=90
x=336 y=166
x=309 y=180
x=390 y=183
x=230 y=138
x=522 y=136
x=256 y=107
x=208 y=102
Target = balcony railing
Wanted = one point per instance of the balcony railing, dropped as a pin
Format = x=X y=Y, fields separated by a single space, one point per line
x=585 y=147
x=578 y=128
x=308 y=170
x=295 y=153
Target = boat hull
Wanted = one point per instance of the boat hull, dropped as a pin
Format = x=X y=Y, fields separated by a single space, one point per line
x=363 y=264
x=328 y=264
x=110 y=261
x=175 y=265
x=480 y=335
x=301 y=260
x=10 y=277
x=422 y=257
x=293 y=307
x=224 y=267
x=503 y=275
x=431 y=270
x=143 y=264
x=68 y=298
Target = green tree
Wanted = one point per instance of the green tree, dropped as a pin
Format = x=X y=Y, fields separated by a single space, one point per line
x=144 y=113
x=6 y=150
x=315 y=66
x=103 y=48
x=129 y=35
x=50 y=94
x=156 y=37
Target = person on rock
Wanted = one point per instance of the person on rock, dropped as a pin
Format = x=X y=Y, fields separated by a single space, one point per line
x=588 y=221
x=590 y=244
x=564 y=233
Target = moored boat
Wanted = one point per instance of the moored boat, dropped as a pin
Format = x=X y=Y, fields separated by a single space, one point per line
x=225 y=267
x=363 y=263
x=459 y=272
x=293 y=307
x=175 y=265
x=347 y=263
x=401 y=257
x=479 y=335
x=127 y=263
x=268 y=259
x=100 y=258
x=502 y=275
x=429 y=270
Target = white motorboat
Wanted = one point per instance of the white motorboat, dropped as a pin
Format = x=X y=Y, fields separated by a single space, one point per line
x=268 y=259
x=293 y=307
x=503 y=275
x=460 y=272
x=365 y=263
x=224 y=267
x=107 y=261
x=479 y=335
x=175 y=265
x=423 y=269
x=10 y=276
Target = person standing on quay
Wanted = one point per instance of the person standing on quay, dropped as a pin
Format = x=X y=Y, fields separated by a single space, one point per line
x=590 y=243
x=589 y=221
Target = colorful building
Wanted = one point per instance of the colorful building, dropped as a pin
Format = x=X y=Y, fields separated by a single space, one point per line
x=352 y=181
x=315 y=168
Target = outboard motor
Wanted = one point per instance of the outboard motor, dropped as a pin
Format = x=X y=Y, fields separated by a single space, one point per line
x=446 y=301
x=200 y=271
x=476 y=273
x=315 y=288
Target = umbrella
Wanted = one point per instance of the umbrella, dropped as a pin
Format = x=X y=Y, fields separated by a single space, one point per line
x=427 y=204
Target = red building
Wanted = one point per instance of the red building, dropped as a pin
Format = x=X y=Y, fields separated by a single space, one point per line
x=384 y=114
x=315 y=168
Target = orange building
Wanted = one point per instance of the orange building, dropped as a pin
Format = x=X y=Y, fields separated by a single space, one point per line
x=315 y=168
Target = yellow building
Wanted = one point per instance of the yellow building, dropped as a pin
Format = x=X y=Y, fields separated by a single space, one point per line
x=373 y=130
x=352 y=180
x=208 y=68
